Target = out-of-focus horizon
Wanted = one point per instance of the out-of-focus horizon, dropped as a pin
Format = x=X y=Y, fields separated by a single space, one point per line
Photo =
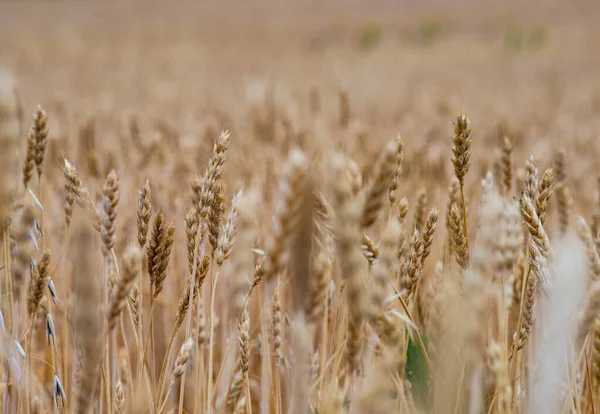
x=184 y=46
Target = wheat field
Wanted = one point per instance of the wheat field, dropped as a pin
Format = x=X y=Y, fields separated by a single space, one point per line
x=299 y=207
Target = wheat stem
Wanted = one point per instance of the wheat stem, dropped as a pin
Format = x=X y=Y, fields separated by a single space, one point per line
x=211 y=327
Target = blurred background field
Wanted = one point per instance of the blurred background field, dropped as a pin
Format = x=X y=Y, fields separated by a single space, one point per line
x=530 y=69
x=400 y=61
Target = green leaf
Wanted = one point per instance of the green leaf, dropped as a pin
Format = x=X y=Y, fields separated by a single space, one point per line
x=417 y=372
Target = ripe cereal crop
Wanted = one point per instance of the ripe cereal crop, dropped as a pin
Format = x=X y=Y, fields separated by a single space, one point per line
x=312 y=207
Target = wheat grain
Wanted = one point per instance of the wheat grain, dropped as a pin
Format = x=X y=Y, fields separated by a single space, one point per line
x=144 y=211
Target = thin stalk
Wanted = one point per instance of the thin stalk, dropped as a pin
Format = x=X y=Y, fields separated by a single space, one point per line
x=152 y=363
x=147 y=366
x=7 y=393
x=323 y=345
x=126 y=346
x=247 y=392
x=65 y=324
x=188 y=324
x=9 y=292
x=572 y=375
x=576 y=396
x=114 y=360
x=163 y=368
x=419 y=339
x=28 y=385
x=403 y=403
x=114 y=356
x=107 y=360
x=590 y=385
x=181 y=394
x=199 y=387
x=165 y=400
x=8 y=279
x=229 y=342
x=200 y=366
x=502 y=328
x=266 y=369
x=515 y=350
x=199 y=369
x=279 y=405
x=111 y=340
x=214 y=279
x=140 y=329
x=147 y=337
x=142 y=367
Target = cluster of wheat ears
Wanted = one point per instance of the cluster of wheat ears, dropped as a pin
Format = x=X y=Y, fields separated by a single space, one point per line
x=337 y=304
